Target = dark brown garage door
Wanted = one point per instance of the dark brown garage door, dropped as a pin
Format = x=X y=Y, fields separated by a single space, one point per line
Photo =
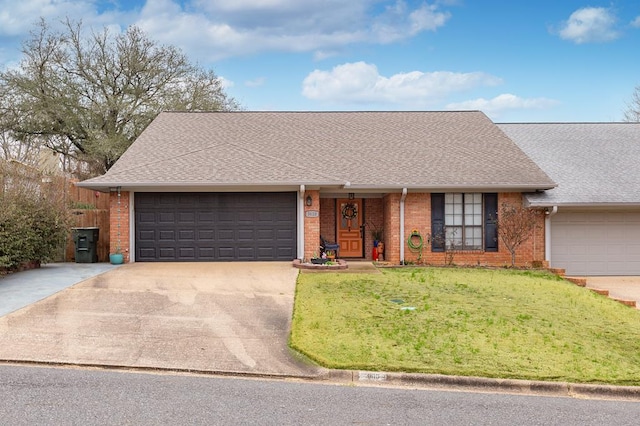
x=192 y=227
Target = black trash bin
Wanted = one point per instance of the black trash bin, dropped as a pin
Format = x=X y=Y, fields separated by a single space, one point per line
x=86 y=243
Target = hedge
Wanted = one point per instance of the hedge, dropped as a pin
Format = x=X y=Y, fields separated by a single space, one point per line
x=31 y=229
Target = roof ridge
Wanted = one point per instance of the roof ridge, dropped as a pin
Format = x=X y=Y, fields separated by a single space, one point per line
x=325 y=112
x=564 y=123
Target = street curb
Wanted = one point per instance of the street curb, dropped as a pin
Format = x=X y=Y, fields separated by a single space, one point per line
x=483 y=384
x=416 y=380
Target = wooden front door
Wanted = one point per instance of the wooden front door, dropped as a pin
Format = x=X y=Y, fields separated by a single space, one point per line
x=349 y=222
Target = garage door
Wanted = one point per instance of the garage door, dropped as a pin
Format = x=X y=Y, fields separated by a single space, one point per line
x=596 y=242
x=215 y=226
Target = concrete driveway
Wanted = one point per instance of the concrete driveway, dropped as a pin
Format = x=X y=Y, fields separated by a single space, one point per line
x=622 y=288
x=219 y=317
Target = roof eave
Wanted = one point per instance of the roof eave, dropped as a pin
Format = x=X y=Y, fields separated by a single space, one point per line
x=106 y=186
x=575 y=204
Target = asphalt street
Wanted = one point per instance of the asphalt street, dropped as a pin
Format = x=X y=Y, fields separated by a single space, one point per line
x=37 y=395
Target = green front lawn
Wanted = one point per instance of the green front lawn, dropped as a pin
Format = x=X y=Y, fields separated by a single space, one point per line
x=473 y=322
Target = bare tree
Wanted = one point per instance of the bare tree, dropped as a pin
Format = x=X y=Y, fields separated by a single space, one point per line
x=90 y=96
x=515 y=226
x=632 y=113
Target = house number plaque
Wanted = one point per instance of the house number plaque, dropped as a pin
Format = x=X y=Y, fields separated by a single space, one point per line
x=312 y=213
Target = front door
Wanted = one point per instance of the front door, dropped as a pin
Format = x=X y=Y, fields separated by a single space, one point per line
x=349 y=221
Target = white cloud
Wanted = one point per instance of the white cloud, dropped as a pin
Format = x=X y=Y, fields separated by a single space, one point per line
x=398 y=23
x=256 y=82
x=636 y=22
x=360 y=82
x=225 y=83
x=590 y=24
x=502 y=103
x=18 y=17
x=214 y=29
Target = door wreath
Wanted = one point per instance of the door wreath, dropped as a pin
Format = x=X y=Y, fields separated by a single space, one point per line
x=349 y=211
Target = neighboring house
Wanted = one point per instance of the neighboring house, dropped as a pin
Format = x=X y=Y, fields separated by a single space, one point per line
x=593 y=225
x=225 y=186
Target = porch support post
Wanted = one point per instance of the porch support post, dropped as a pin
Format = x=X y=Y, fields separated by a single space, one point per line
x=301 y=223
x=402 y=198
x=547 y=233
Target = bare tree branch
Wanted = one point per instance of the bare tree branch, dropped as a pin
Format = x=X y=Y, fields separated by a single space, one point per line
x=91 y=95
x=515 y=226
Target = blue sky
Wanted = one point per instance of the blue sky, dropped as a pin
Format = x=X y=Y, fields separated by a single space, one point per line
x=545 y=60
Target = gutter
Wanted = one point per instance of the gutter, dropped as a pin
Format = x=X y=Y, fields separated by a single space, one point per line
x=106 y=184
x=547 y=233
x=402 y=198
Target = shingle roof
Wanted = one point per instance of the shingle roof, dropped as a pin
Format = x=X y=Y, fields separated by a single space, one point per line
x=592 y=163
x=365 y=149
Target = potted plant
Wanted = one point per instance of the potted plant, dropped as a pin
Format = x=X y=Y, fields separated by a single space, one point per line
x=377 y=233
x=331 y=255
x=116 y=258
x=318 y=260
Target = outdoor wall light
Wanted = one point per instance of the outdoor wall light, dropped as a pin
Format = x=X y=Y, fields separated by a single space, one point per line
x=309 y=200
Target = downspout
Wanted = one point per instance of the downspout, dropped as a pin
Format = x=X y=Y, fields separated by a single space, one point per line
x=547 y=234
x=402 y=198
x=301 y=223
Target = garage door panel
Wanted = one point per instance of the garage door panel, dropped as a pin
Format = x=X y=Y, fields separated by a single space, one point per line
x=186 y=217
x=206 y=253
x=206 y=235
x=187 y=235
x=226 y=235
x=596 y=243
x=166 y=235
x=215 y=226
x=166 y=252
x=205 y=217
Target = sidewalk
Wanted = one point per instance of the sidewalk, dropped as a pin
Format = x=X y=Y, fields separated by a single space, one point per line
x=21 y=289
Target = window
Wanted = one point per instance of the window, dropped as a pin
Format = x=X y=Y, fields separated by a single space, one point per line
x=464 y=221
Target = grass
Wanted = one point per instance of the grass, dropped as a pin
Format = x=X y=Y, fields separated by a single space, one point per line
x=472 y=322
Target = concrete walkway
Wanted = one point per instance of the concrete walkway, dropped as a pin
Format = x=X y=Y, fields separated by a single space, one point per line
x=209 y=317
x=24 y=288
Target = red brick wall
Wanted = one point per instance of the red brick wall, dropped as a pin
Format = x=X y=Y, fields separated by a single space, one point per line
x=418 y=216
x=119 y=223
x=311 y=225
x=328 y=218
x=391 y=208
x=374 y=217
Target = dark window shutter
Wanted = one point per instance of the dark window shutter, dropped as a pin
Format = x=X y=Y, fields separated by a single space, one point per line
x=491 y=222
x=437 y=222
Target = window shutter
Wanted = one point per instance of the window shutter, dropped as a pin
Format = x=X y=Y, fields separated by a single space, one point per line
x=491 y=222
x=437 y=223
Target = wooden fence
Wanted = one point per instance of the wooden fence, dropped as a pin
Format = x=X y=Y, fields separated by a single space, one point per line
x=87 y=208
x=94 y=212
x=84 y=218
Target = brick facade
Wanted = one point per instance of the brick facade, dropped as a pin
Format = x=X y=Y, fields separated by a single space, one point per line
x=384 y=212
x=374 y=218
x=311 y=225
x=328 y=218
x=418 y=217
x=391 y=208
x=119 y=223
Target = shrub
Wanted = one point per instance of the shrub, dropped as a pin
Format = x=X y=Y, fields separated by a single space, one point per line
x=32 y=228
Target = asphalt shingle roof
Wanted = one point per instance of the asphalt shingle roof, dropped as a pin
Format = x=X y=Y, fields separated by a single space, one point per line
x=592 y=163
x=366 y=149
